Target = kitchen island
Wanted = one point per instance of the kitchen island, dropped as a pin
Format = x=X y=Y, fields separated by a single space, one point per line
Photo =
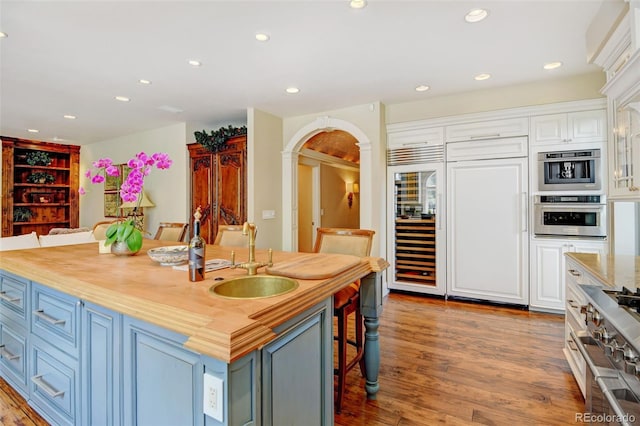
x=93 y=338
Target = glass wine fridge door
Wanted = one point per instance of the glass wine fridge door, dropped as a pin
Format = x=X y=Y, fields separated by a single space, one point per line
x=416 y=240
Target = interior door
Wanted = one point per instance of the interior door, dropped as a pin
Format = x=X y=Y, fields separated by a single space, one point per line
x=305 y=208
x=487 y=255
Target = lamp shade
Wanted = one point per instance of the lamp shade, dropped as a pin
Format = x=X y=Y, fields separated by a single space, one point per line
x=145 y=202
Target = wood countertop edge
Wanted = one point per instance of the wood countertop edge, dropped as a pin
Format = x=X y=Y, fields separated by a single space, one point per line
x=202 y=331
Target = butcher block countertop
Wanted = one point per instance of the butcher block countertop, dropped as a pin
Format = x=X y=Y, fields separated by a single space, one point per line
x=225 y=329
x=613 y=271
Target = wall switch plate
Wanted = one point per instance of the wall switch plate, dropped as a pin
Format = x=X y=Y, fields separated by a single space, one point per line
x=213 y=393
x=268 y=214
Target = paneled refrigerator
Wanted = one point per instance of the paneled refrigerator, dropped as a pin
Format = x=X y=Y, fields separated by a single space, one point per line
x=488 y=247
x=416 y=227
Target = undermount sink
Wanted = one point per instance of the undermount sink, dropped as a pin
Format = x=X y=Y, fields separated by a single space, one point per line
x=254 y=287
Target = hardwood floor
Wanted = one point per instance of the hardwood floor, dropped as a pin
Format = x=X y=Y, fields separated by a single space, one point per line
x=460 y=363
x=446 y=362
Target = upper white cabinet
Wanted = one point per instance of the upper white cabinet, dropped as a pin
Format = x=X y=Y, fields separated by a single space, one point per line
x=488 y=129
x=621 y=60
x=415 y=138
x=574 y=127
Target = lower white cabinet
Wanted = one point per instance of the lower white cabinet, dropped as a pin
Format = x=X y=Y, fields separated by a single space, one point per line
x=548 y=269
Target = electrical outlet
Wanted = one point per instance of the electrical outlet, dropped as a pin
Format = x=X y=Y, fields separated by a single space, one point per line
x=213 y=393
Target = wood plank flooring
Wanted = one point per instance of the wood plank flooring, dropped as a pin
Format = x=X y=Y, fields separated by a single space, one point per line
x=445 y=362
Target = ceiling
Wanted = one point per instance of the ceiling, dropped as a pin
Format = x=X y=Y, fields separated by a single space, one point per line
x=73 y=57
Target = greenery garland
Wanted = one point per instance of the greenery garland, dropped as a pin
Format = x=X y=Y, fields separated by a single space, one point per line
x=217 y=140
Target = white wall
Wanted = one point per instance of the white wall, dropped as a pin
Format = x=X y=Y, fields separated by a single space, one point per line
x=264 y=176
x=168 y=189
x=574 y=88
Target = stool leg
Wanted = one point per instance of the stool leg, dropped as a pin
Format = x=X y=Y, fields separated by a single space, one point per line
x=342 y=358
x=360 y=340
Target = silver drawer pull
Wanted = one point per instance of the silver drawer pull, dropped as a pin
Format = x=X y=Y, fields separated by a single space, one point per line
x=574 y=273
x=488 y=135
x=572 y=304
x=46 y=387
x=48 y=318
x=572 y=345
x=7 y=355
x=3 y=296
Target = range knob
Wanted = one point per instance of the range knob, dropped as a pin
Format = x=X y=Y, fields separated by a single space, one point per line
x=596 y=317
x=587 y=310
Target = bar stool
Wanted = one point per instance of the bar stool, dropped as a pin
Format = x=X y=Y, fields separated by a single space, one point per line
x=355 y=242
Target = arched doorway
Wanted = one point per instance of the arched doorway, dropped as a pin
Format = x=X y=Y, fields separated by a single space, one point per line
x=290 y=157
x=328 y=183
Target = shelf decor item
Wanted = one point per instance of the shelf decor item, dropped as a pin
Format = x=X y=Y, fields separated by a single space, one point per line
x=216 y=141
x=38 y=158
x=22 y=214
x=124 y=236
x=40 y=177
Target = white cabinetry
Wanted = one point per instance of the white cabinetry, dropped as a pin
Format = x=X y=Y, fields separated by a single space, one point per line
x=620 y=59
x=574 y=321
x=487 y=254
x=547 y=281
x=487 y=129
x=571 y=128
x=415 y=138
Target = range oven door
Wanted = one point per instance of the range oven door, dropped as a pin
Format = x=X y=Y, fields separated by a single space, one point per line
x=569 y=170
x=608 y=399
x=584 y=220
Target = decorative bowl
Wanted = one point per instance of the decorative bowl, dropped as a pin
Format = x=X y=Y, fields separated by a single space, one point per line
x=169 y=255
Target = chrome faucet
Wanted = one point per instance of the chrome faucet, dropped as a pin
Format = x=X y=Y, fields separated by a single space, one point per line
x=251 y=266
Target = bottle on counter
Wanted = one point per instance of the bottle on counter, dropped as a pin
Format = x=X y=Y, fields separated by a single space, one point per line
x=197 y=248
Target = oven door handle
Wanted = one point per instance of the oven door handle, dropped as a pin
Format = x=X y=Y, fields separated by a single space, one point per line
x=596 y=370
x=608 y=386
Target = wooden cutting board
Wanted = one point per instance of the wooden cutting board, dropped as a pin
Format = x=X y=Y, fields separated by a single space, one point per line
x=315 y=266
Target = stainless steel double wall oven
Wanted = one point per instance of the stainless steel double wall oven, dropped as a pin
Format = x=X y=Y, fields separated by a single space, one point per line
x=575 y=206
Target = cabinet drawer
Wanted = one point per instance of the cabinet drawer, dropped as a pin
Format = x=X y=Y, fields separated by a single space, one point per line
x=13 y=355
x=55 y=318
x=54 y=383
x=487 y=149
x=14 y=294
x=490 y=129
x=415 y=138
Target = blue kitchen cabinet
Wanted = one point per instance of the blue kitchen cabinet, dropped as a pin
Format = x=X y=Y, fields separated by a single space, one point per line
x=162 y=380
x=101 y=365
x=77 y=363
x=297 y=371
x=14 y=330
x=54 y=349
x=13 y=355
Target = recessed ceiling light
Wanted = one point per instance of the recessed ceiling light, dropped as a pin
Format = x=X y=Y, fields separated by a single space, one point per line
x=195 y=63
x=122 y=99
x=357 y=4
x=3 y=35
x=69 y=116
x=481 y=77
x=143 y=81
x=422 y=88
x=33 y=130
x=57 y=139
x=292 y=90
x=552 y=65
x=262 y=37
x=476 y=15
